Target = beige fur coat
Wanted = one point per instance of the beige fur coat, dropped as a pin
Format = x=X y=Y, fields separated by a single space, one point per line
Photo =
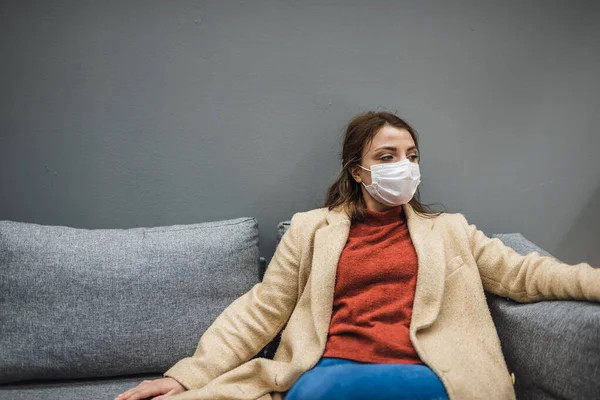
x=451 y=326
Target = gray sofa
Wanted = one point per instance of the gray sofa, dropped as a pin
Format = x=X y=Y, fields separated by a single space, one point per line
x=91 y=313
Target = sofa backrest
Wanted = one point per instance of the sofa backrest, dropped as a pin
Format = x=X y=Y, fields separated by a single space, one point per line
x=78 y=303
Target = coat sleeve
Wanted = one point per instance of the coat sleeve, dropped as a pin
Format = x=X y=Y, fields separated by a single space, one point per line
x=249 y=323
x=532 y=277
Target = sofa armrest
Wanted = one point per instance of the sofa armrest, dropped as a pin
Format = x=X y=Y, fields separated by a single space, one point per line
x=553 y=347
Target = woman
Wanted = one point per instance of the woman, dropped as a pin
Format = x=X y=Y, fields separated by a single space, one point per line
x=376 y=296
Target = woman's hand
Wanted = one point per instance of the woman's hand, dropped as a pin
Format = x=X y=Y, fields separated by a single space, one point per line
x=161 y=388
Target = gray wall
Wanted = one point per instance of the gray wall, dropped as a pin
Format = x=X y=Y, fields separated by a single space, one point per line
x=123 y=114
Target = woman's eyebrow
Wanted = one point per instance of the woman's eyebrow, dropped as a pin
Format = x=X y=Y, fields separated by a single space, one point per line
x=393 y=148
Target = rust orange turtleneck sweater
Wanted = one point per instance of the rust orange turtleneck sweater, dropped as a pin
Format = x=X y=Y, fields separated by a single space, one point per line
x=374 y=291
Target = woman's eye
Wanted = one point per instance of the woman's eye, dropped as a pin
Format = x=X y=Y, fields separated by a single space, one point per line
x=411 y=157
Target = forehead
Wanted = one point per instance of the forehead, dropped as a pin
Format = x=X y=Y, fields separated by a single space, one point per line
x=390 y=136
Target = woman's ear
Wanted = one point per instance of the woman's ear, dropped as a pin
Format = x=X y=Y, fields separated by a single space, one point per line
x=354 y=172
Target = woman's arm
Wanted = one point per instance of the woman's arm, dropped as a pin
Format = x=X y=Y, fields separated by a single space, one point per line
x=529 y=278
x=250 y=322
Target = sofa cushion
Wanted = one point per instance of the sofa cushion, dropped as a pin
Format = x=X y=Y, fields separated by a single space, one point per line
x=78 y=303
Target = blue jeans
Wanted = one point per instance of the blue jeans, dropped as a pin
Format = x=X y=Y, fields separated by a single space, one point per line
x=339 y=378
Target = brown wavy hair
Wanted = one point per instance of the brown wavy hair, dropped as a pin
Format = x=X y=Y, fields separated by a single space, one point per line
x=345 y=192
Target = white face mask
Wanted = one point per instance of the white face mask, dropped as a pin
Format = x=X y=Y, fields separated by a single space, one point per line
x=393 y=184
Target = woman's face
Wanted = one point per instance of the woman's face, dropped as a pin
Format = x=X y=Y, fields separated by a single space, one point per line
x=389 y=145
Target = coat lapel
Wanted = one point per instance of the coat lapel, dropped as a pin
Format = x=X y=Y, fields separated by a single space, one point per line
x=429 y=246
x=328 y=245
x=331 y=239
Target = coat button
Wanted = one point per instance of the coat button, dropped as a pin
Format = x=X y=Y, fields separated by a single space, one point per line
x=512 y=376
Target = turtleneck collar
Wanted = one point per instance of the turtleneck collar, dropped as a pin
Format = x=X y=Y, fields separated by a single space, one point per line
x=390 y=216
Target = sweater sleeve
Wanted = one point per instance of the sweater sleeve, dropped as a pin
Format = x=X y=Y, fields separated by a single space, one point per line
x=250 y=322
x=532 y=277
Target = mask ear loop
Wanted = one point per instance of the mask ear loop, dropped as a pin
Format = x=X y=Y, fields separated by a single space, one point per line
x=356 y=164
x=371 y=176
